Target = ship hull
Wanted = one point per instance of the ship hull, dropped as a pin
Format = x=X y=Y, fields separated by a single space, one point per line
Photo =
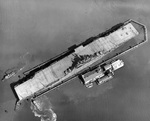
x=38 y=80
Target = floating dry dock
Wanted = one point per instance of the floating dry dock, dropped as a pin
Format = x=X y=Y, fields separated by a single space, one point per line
x=79 y=58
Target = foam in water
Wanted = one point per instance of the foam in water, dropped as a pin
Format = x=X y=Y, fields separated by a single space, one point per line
x=41 y=107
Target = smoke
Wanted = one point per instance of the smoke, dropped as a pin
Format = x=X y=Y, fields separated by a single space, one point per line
x=41 y=107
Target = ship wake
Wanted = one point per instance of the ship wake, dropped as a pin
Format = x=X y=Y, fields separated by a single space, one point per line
x=41 y=107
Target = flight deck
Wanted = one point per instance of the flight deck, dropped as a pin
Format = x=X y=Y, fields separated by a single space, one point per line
x=78 y=59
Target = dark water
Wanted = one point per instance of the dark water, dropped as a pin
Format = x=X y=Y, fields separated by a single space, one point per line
x=124 y=98
x=25 y=114
x=46 y=28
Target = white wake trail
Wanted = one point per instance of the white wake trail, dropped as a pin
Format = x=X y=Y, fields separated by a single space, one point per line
x=41 y=107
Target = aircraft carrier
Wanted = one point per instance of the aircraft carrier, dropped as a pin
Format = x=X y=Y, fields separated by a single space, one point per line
x=80 y=59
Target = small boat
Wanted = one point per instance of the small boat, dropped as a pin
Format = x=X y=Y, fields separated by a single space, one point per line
x=8 y=75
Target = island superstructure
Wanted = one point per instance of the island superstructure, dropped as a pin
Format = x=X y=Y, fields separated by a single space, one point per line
x=79 y=59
